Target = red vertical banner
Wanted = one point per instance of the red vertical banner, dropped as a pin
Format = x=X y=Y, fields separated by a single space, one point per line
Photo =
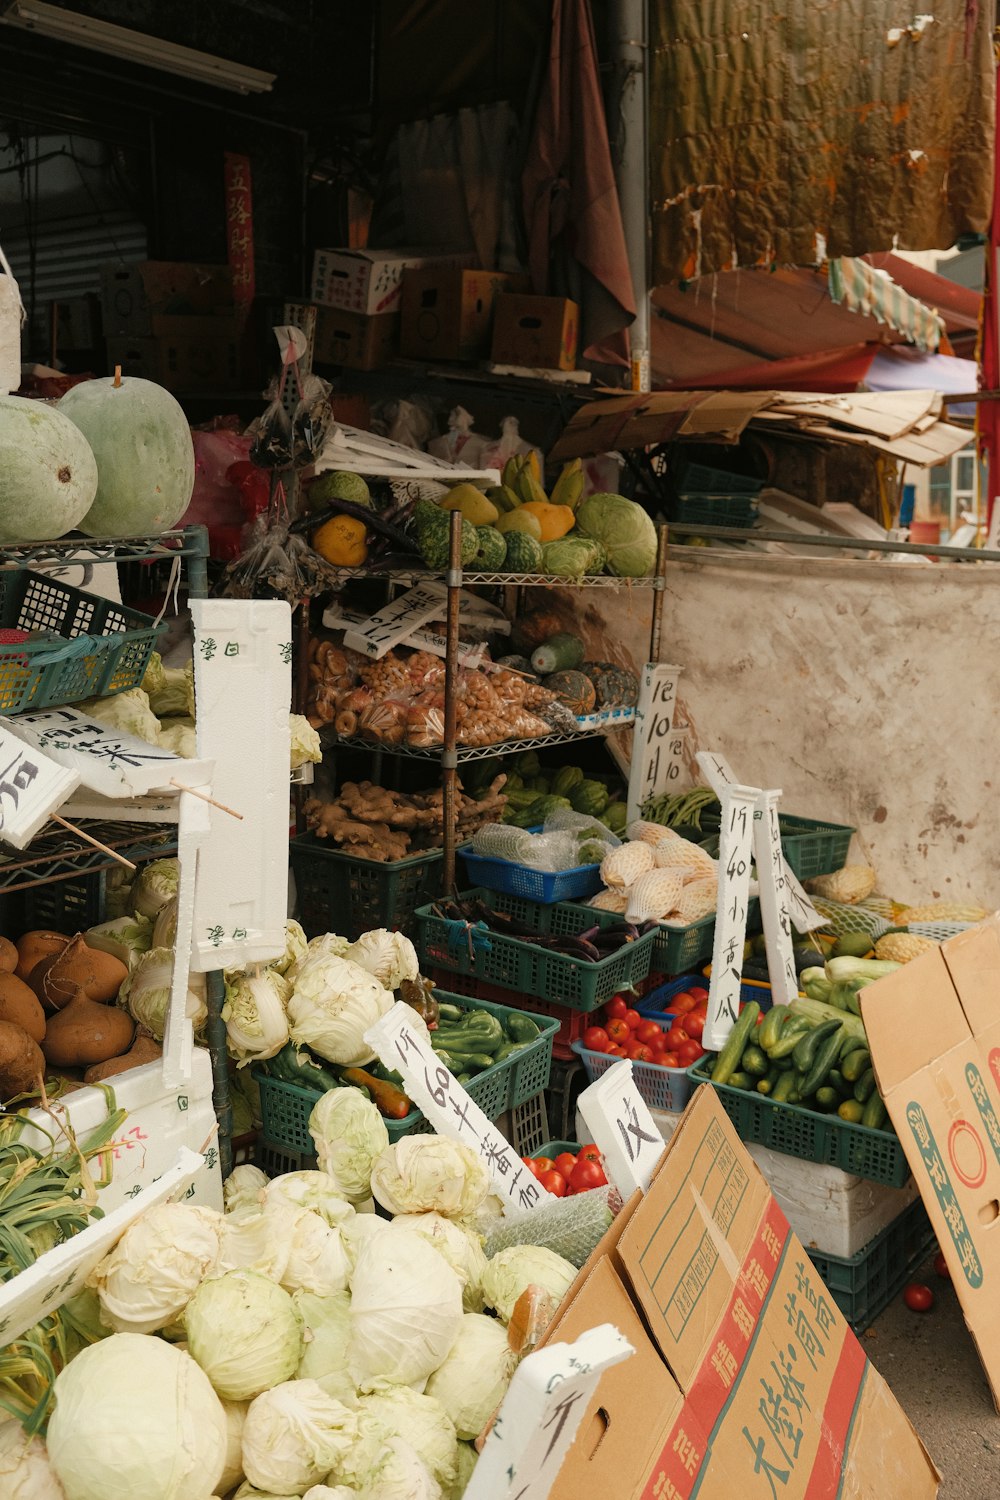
x=988 y=412
x=239 y=229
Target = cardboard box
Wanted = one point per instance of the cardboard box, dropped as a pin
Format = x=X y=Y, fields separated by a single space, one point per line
x=934 y=1032
x=370 y=281
x=183 y=354
x=448 y=312
x=131 y=296
x=539 y=333
x=746 y=1379
x=355 y=340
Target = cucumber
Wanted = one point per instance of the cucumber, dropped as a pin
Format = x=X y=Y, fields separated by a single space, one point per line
x=742 y=1081
x=466 y=1061
x=449 y=1013
x=737 y=1040
x=808 y=1045
x=837 y=1081
x=865 y=1086
x=875 y=1115
x=782 y=1090
x=770 y=1028
x=827 y=1098
x=823 y=1060
x=852 y=945
x=855 y=1064
x=792 y=1032
x=765 y=1085
x=755 y=1062
x=851 y=1111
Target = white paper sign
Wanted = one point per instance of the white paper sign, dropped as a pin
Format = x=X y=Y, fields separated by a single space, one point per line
x=541 y=1414
x=804 y=915
x=773 y=885
x=622 y=1128
x=393 y=624
x=654 y=724
x=243 y=686
x=716 y=770
x=435 y=1090
x=32 y=788
x=735 y=854
x=420 y=640
x=108 y=761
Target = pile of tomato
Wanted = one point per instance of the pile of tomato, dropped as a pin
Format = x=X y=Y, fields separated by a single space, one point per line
x=568 y=1173
x=624 y=1033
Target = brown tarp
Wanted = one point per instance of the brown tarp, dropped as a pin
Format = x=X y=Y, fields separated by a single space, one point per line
x=786 y=134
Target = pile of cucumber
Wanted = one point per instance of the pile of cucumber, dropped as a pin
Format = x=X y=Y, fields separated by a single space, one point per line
x=799 y=1055
x=470 y=1041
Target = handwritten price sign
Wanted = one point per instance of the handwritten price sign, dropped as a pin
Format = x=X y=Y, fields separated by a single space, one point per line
x=623 y=1128
x=735 y=854
x=32 y=787
x=656 y=752
x=772 y=875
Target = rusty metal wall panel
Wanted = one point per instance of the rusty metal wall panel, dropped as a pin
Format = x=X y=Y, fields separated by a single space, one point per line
x=784 y=134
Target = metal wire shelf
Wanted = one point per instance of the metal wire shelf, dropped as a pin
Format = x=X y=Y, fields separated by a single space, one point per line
x=57 y=854
x=166 y=546
x=497 y=580
x=330 y=739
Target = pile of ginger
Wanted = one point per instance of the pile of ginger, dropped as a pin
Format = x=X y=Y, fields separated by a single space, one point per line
x=375 y=823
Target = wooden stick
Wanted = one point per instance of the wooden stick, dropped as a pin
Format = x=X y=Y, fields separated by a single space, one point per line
x=206 y=798
x=64 y=823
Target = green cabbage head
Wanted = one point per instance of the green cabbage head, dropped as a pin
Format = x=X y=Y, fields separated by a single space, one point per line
x=624 y=530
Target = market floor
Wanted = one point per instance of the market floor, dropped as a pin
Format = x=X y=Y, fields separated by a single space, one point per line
x=931 y=1365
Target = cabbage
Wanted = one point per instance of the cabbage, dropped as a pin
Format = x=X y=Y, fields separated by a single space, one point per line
x=165 y=926
x=155 y=677
x=572 y=557
x=388 y=956
x=155 y=1268
x=296 y=944
x=467 y=1460
x=245 y=1093
x=314 y=1190
x=135 y=1416
x=327 y=1324
x=244 y=1188
x=327 y=945
x=333 y=1004
x=461 y=1249
x=236 y=1415
x=117 y=893
x=174 y=694
x=146 y=992
x=254 y=1013
x=178 y=736
x=406 y=1311
x=625 y=531
x=126 y=938
x=401 y=1413
x=474 y=1378
x=245 y=1332
x=513 y=1270
x=256 y=1239
x=429 y=1174
x=128 y=711
x=25 y=1471
x=349 y=1133
x=357 y=1232
x=400 y=1474
x=155 y=885
x=82 y=1324
x=305 y=741
x=294 y=1435
x=317 y=1260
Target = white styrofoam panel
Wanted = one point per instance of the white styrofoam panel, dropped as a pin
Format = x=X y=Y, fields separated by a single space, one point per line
x=108 y=761
x=32 y=786
x=243 y=684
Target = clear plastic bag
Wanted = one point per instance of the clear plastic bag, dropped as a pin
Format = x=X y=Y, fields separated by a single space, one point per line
x=592 y=840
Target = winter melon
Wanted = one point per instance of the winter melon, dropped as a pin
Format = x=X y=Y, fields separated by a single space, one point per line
x=145 y=456
x=48 y=473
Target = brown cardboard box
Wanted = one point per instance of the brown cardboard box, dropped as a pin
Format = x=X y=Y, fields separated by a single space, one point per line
x=131 y=296
x=746 y=1380
x=538 y=333
x=370 y=281
x=448 y=312
x=183 y=354
x=356 y=340
x=934 y=1032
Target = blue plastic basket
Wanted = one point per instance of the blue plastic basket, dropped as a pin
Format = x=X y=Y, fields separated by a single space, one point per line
x=657 y=1002
x=535 y=885
x=661 y=1088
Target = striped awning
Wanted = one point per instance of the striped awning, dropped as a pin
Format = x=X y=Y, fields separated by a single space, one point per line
x=861 y=288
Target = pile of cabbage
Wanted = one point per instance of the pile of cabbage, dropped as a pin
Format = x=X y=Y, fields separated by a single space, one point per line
x=299 y=1344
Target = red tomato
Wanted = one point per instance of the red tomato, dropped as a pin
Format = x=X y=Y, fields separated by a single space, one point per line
x=639 y=1052
x=554 y=1182
x=618 y=1032
x=615 y=1008
x=596 y=1039
x=694 y=1024
x=588 y=1174
x=632 y=1019
x=918 y=1298
x=541 y=1164
x=564 y=1163
x=699 y=992
x=668 y=1059
x=615 y=1051
x=659 y=1042
x=676 y=1037
x=689 y=1052
x=941 y=1267
x=589 y=1153
x=682 y=1003
x=648 y=1032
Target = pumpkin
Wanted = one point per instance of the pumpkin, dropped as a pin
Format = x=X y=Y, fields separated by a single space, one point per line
x=343 y=541
x=573 y=689
x=145 y=456
x=491 y=550
x=48 y=473
x=616 y=686
x=555 y=520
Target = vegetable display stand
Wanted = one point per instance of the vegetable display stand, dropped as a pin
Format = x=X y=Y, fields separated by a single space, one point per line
x=572 y=1023
x=863 y=1285
x=812 y=848
x=662 y=1088
x=876 y=1154
x=104 y=648
x=344 y=893
x=286 y=1107
x=518 y=964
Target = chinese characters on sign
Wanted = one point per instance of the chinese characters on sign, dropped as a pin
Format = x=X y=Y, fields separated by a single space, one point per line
x=32 y=787
x=239 y=227
x=622 y=1128
x=656 y=767
x=395 y=622
x=735 y=842
x=772 y=876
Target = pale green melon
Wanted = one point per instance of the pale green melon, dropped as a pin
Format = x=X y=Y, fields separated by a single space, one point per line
x=48 y=474
x=145 y=456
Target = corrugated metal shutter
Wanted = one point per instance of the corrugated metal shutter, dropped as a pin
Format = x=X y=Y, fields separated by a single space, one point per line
x=69 y=254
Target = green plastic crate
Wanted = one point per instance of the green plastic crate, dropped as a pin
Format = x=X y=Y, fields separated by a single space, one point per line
x=343 y=893
x=105 y=647
x=554 y=1148
x=519 y=965
x=810 y=1135
x=678 y=949
x=813 y=848
x=286 y=1107
x=863 y=1285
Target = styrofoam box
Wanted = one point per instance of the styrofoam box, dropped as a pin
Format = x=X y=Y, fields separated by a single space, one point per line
x=830 y=1210
x=159 y=1122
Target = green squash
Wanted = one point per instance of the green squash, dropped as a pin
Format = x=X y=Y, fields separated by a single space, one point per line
x=48 y=473
x=491 y=550
x=524 y=553
x=145 y=456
